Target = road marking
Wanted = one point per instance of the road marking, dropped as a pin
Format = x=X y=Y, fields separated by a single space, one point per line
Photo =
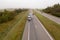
x=45 y=29
x=28 y=30
x=53 y=18
x=46 y=32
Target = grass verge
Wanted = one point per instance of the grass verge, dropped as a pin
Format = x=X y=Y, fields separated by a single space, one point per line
x=17 y=31
x=52 y=27
x=6 y=27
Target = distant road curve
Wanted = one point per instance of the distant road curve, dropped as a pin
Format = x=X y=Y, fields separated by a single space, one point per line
x=53 y=18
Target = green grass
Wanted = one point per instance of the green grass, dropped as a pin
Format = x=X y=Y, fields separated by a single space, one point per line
x=52 y=27
x=17 y=32
x=22 y=26
x=6 y=27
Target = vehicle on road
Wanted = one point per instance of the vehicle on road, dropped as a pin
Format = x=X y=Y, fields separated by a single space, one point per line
x=29 y=18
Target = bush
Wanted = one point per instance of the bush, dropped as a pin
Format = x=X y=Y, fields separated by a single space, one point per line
x=54 y=10
x=9 y=15
x=6 y=16
x=56 y=14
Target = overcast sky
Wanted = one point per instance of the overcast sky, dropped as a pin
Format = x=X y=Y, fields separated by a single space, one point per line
x=27 y=3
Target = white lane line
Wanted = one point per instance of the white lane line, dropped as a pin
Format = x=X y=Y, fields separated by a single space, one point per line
x=45 y=29
x=47 y=32
x=28 y=30
x=50 y=17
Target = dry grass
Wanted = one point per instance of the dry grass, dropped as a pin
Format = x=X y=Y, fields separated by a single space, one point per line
x=17 y=31
x=5 y=27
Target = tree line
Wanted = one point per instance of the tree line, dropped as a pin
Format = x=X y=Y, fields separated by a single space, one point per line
x=54 y=10
x=6 y=15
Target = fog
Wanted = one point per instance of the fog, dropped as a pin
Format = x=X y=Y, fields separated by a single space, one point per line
x=27 y=3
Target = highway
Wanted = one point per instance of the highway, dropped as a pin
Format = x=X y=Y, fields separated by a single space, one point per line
x=53 y=18
x=34 y=30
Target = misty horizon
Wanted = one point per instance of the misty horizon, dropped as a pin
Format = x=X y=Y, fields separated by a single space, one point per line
x=33 y=4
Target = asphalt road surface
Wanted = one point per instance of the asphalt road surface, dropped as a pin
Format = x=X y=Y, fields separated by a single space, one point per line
x=53 y=18
x=34 y=30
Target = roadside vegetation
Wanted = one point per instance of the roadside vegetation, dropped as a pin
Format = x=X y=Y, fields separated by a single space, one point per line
x=6 y=15
x=54 y=10
x=52 y=27
x=8 y=19
x=17 y=31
